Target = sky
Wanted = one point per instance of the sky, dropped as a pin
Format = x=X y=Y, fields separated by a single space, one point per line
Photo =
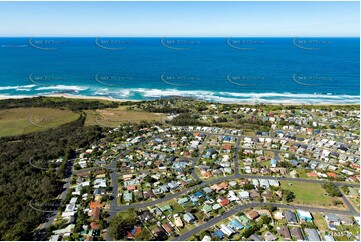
x=194 y=19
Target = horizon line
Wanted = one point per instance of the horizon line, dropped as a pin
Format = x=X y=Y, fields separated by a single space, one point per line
x=109 y=36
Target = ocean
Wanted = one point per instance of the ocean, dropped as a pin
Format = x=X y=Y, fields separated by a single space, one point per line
x=235 y=69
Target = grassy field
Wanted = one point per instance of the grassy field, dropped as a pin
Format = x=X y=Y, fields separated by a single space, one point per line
x=309 y=194
x=19 y=121
x=113 y=117
x=320 y=222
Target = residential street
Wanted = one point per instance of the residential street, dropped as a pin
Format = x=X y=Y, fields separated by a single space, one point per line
x=237 y=209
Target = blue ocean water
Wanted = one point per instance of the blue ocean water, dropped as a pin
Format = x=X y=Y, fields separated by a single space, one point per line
x=269 y=70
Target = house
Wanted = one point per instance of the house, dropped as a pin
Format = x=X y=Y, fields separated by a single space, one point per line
x=346 y=220
x=189 y=218
x=207 y=208
x=95 y=214
x=311 y=174
x=182 y=201
x=328 y=238
x=304 y=215
x=294 y=174
x=243 y=219
x=166 y=226
x=278 y=215
x=145 y=215
x=235 y=224
x=54 y=238
x=134 y=232
x=267 y=194
x=206 y=238
x=207 y=190
x=332 y=219
x=127 y=196
x=65 y=231
x=227 y=230
x=216 y=206
x=290 y=217
x=218 y=234
x=255 y=237
x=274 y=183
x=158 y=232
x=243 y=194
x=178 y=221
x=264 y=212
x=264 y=183
x=223 y=201
x=273 y=163
x=166 y=207
x=296 y=232
x=232 y=196
x=251 y=215
x=284 y=232
x=148 y=194
x=312 y=235
x=268 y=236
x=254 y=194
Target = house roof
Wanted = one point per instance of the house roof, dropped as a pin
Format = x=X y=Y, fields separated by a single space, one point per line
x=284 y=232
x=224 y=202
x=252 y=214
x=134 y=232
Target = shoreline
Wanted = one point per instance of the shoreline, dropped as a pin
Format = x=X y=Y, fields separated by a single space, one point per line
x=70 y=96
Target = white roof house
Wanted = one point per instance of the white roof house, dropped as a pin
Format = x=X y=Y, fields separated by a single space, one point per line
x=243 y=194
x=227 y=230
x=274 y=183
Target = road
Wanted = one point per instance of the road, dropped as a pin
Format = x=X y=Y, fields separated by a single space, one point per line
x=218 y=180
x=236 y=154
x=195 y=161
x=40 y=233
x=240 y=208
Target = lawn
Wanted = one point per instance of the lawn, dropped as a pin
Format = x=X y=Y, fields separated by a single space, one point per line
x=17 y=121
x=113 y=117
x=320 y=222
x=309 y=194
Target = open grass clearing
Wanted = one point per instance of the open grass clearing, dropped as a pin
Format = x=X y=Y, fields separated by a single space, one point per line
x=113 y=117
x=310 y=194
x=17 y=121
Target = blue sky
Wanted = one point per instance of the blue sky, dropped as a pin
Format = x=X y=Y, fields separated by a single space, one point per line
x=179 y=19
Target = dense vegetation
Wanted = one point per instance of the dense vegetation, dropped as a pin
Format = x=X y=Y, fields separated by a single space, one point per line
x=332 y=190
x=22 y=183
x=72 y=104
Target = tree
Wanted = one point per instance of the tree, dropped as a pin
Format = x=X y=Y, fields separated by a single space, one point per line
x=288 y=195
x=122 y=223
